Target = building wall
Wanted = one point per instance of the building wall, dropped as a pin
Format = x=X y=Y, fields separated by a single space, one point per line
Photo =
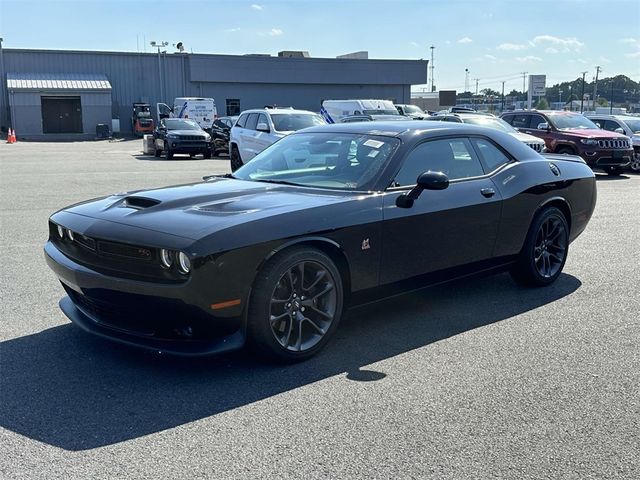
x=26 y=108
x=256 y=81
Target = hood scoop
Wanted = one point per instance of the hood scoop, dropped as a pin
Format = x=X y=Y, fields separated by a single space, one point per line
x=139 y=203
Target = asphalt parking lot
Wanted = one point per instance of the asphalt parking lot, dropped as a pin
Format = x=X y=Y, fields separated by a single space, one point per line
x=478 y=379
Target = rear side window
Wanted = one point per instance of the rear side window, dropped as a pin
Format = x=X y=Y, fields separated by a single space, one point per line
x=252 y=121
x=262 y=118
x=242 y=120
x=491 y=156
x=520 y=121
x=611 y=125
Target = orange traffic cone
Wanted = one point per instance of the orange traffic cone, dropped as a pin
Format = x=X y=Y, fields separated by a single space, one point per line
x=9 y=136
x=13 y=136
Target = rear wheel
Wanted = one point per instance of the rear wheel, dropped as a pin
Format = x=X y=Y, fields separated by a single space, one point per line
x=544 y=253
x=296 y=305
x=236 y=161
x=613 y=170
x=635 y=162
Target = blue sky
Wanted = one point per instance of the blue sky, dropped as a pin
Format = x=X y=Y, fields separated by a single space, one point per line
x=495 y=40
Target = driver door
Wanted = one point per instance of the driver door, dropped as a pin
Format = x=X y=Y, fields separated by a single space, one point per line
x=444 y=228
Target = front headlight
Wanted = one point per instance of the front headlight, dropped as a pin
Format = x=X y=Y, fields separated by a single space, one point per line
x=207 y=138
x=172 y=135
x=166 y=258
x=184 y=264
x=589 y=141
x=60 y=232
x=70 y=235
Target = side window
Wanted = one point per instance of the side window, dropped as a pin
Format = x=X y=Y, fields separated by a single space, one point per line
x=492 y=156
x=520 y=121
x=599 y=123
x=536 y=120
x=454 y=157
x=508 y=119
x=233 y=106
x=252 y=121
x=262 y=118
x=611 y=125
x=242 y=120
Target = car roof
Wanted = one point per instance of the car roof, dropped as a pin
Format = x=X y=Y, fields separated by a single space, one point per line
x=398 y=128
x=278 y=110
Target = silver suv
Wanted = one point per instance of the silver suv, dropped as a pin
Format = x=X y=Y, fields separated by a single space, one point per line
x=628 y=125
x=256 y=129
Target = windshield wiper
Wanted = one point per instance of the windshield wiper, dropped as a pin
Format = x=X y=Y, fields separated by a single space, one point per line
x=226 y=175
x=280 y=182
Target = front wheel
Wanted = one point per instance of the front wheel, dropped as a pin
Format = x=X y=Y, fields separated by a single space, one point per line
x=635 y=162
x=544 y=252
x=168 y=154
x=296 y=305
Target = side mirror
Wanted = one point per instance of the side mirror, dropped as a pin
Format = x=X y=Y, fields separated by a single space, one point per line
x=543 y=126
x=263 y=127
x=619 y=130
x=426 y=181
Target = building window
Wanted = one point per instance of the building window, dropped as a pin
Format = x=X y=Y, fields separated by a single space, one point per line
x=233 y=106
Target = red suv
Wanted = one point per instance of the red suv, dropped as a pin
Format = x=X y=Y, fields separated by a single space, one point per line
x=573 y=133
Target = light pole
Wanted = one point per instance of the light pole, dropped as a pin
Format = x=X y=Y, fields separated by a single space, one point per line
x=582 y=95
x=160 y=45
x=466 y=79
x=560 y=98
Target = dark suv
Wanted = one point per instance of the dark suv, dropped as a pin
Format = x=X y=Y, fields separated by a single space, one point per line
x=573 y=133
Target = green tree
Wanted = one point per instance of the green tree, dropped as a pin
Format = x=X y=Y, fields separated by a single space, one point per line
x=542 y=104
x=602 y=102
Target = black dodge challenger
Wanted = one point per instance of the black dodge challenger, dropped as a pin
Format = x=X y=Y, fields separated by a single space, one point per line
x=325 y=218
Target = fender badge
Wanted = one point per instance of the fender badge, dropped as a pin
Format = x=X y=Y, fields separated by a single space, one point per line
x=365 y=244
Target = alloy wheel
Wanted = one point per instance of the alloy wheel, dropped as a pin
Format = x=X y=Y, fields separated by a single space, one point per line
x=550 y=247
x=635 y=162
x=303 y=306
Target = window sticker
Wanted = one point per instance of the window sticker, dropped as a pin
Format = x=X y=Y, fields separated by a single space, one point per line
x=373 y=144
x=373 y=153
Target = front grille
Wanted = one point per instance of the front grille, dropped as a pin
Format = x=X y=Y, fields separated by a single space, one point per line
x=86 y=242
x=536 y=146
x=617 y=143
x=128 y=251
x=191 y=138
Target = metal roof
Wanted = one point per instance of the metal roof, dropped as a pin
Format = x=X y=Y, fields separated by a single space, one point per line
x=57 y=81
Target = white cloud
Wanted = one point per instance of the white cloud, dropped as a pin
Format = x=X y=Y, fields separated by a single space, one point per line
x=275 y=32
x=232 y=30
x=569 y=42
x=579 y=60
x=414 y=44
x=511 y=46
x=528 y=59
x=255 y=6
x=632 y=41
x=465 y=40
x=604 y=59
x=551 y=50
x=490 y=57
x=633 y=55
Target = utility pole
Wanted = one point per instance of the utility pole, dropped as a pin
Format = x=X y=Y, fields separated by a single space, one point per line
x=466 y=79
x=433 y=88
x=595 y=86
x=560 y=98
x=477 y=80
x=611 y=100
x=524 y=82
x=582 y=96
x=502 y=109
x=160 y=45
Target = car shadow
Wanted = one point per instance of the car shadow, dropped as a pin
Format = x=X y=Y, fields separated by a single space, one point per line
x=605 y=177
x=176 y=158
x=69 y=389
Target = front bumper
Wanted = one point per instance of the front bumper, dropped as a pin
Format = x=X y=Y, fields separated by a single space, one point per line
x=608 y=158
x=153 y=316
x=179 y=146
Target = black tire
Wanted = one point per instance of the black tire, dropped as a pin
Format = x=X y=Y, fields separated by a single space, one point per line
x=157 y=153
x=295 y=305
x=168 y=154
x=634 y=166
x=236 y=161
x=614 y=171
x=565 y=151
x=545 y=249
x=207 y=155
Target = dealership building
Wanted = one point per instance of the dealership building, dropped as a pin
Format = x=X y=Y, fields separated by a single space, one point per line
x=50 y=94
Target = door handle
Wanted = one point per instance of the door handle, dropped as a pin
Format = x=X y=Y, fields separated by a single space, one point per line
x=488 y=192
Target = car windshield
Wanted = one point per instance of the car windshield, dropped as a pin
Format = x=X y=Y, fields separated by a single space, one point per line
x=343 y=161
x=412 y=109
x=495 y=123
x=570 y=122
x=380 y=112
x=180 y=124
x=291 y=122
x=633 y=124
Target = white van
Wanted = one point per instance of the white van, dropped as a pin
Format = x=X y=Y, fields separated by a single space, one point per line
x=201 y=110
x=334 y=110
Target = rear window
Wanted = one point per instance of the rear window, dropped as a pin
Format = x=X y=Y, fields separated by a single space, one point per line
x=291 y=122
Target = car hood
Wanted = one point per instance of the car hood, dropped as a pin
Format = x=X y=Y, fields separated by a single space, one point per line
x=187 y=132
x=593 y=133
x=196 y=210
x=526 y=138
